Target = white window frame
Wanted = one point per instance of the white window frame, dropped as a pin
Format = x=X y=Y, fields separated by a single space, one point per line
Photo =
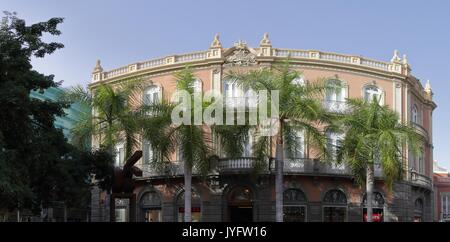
x=332 y=143
x=299 y=153
x=151 y=91
x=148 y=152
x=336 y=96
x=415 y=115
x=197 y=86
x=368 y=94
x=299 y=80
x=445 y=206
x=118 y=160
x=248 y=146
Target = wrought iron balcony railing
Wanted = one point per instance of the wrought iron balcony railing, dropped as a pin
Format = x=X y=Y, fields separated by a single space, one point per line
x=306 y=166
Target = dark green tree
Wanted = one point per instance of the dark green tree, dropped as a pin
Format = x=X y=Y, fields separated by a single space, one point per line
x=37 y=165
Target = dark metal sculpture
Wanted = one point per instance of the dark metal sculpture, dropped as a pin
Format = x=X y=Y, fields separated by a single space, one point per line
x=123 y=177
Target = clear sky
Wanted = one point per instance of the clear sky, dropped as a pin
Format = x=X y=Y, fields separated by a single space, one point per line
x=123 y=32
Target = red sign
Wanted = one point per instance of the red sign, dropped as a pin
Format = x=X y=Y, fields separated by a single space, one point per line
x=376 y=217
x=193 y=209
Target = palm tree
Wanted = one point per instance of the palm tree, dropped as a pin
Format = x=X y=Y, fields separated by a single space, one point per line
x=112 y=117
x=190 y=140
x=300 y=110
x=374 y=135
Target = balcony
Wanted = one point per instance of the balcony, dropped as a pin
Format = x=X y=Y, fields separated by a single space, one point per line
x=420 y=129
x=304 y=166
x=235 y=165
x=173 y=169
x=314 y=167
x=419 y=179
x=335 y=106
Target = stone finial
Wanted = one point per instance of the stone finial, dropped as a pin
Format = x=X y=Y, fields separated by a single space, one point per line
x=396 y=57
x=265 y=40
x=240 y=44
x=98 y=67
x=216 y=42
x=405 y=60
x=428 y=88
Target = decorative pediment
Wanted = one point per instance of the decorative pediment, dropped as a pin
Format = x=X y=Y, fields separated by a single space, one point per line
x=240 y=55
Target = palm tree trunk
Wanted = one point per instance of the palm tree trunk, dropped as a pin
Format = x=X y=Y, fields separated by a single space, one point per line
x=369 y=191
x=187 y=193
x=279 y=164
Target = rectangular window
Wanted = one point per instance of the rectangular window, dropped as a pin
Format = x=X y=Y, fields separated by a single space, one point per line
x=294 y=213
x=120 y=155
x=121 y=215
x=445 y=207
x=334 y=214
x=153 y=215
x=195 y=212
x=148 y=152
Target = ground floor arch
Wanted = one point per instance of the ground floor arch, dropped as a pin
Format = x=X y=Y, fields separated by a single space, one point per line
x=239 y=204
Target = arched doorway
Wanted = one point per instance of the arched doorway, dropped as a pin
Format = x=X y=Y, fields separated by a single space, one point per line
x=195 y=207
x=150 y=205
x=335 y=206
x=240 y=205
x=295 y=205
x=377 y=207
x=418 y=210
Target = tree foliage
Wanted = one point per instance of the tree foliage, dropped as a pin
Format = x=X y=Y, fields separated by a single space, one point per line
x=37 y=165
x=374 y=135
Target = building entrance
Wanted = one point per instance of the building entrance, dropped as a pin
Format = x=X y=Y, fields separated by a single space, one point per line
x=240 y=205
x=241 y=214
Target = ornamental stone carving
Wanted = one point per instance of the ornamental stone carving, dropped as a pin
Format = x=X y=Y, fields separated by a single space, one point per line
x=241 y=55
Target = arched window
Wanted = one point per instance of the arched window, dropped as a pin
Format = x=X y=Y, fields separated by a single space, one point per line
x=418 y=210
x=152 y=94
x=120 y=154
x=335 y=206
x=335 y=96
x=371 y=92
x=415 y=116
x=195 y=207
x=377 y=207
x=151 y=207
x=294 y=207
